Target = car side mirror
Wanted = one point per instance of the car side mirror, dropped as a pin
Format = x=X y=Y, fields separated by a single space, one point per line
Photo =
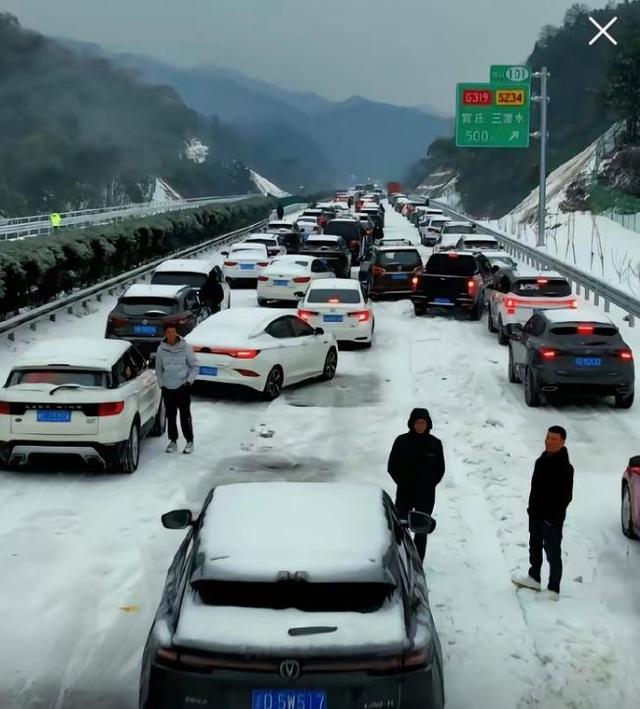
x=420 y=522
x=318 y=331
x=177 y=519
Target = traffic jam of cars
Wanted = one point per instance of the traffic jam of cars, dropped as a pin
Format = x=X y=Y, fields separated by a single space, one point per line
x=349 y=626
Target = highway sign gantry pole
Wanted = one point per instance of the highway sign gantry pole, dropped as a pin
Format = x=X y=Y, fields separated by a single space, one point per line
x=543 y=100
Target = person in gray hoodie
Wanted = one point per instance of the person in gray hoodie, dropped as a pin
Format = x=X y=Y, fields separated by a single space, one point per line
x=176 y=370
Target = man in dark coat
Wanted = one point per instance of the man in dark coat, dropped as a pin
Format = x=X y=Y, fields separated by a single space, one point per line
x=551 y=493
x=416 y=464
x=280 y=212
x=212 y=294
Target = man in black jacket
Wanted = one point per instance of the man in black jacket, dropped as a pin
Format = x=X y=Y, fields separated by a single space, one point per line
x=416 y=464
x=212 y=294
x=551 y=493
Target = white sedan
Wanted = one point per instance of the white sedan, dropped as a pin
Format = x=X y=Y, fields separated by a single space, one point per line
x=308 y=225
x=264 y=350
x=287 y=278
x=337 y=304
x=273 y=242
x=244 y=261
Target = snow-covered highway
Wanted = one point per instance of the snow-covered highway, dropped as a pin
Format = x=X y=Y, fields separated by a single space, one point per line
x=83 y=556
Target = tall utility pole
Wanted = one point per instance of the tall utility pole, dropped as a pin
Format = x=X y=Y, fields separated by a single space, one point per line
x=543 y=99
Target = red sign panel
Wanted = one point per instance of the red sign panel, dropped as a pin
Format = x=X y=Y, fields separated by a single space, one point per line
x=477 y=97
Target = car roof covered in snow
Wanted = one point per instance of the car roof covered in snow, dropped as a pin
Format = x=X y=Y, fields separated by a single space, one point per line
x=335 y=284
x=323 y=237
x=249 y=248
x=260 y=235
x=89 y=352
x=234 y=325
x=293 y=261
x=452 y=223
x=149 y=290
x=186 y=265
x=499 y=254
x=585 y=312
x=391 y=247
x=331 y=532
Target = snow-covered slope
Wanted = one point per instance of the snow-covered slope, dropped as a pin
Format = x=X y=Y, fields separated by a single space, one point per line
x=163 y=192
x=267 y=187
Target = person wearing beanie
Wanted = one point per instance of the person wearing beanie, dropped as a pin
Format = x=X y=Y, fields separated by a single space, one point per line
x=416 y=464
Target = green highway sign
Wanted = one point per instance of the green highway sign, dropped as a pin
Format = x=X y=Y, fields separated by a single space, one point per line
x=507 y=72
x=493 y=115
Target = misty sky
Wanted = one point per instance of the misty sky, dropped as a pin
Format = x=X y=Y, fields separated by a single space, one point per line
x=408 y=52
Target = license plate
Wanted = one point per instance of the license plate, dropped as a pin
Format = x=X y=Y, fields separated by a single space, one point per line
x=247 y=266
x=288 y=699
x=399 y=276
x=444 y=301
x=209 y=371
x=144 y=329
x=54 y=416
x=333 y=318
x=588 y=361
x=280 y=283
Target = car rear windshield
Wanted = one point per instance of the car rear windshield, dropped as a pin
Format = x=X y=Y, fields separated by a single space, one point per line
x=451 y=265
x=348 y=230
x=437 y=223
x=585 y=329
x=311 y=245
x=548 y=287
x=301 y=595
x=45 y=375
x=398 y=258
x=137 y=307
x=458 y=230
x=326 y=295
x=266 y=242
x=179 y=278
x=479 y=244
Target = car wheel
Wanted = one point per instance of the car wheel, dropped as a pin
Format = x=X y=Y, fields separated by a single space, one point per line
x=503 y=338
x=626 y=518
x=624 y=401
x=476 y=311
x=531 y=390
x=160 y=422
x=490 y=326
x=128 y=456
x=513 y=377
x=262 y=302
x=330 y=365
x=274 y=383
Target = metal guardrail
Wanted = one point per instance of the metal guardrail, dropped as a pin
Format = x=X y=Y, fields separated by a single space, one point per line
x=583 y=283
x=96 y=292
x=22 y=227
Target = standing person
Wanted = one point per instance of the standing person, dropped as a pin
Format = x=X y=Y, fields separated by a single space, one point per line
x=551 y=493
x=212 y=294
x=350 y=202
x=416 y=464
x=280 y=212
x=176 y=369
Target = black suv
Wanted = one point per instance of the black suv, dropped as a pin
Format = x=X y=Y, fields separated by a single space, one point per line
x=332 y=251
x=352 y=231
x=575 y=351
x=143 y=311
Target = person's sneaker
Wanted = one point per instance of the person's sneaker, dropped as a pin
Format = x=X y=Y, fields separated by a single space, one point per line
x=188 y=448
x=172 y=447
x=549 y=596
x=526 y=582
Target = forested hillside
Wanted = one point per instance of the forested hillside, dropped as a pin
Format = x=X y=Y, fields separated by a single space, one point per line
x=76 y=132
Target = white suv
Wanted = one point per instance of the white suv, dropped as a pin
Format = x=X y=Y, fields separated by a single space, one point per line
x=83 y=397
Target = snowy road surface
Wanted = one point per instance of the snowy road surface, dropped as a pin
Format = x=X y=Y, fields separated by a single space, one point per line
x=83 y=556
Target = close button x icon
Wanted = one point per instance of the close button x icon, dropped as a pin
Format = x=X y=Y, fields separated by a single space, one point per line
x=603 y=31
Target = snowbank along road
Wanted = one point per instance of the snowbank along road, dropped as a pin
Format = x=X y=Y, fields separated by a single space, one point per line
x=84 y=557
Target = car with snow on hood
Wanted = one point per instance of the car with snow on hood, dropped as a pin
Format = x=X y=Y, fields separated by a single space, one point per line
x=265 y=606
x=273 y=242
x=339 y=306
x=451 y=233
x=262 y=349
x=430 y=229
x=287 y=278
x=81 y=398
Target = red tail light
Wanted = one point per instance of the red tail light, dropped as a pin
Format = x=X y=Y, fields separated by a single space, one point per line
x=237 y=354
x=573 y=304
x=230 y=263
x=301 y=279
x=5 y=409
x=361 y=315
x=634 y=469
x=117 y=320
x=510 y=305
x=263 y=263
x=112 y=408
x=263 y=278
x=306 y=314
x=542 y=280
x=334 y=300
x=414 y=282
x=547 y=353
x=585 y=329
x=471 y=286
x=452 y=255
x=626 y=355
x=378 y=271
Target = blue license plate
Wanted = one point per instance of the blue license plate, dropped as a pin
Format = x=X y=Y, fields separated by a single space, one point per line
x=588 y=361
x=333 y=318
x=288 y=699
x=247 y=266
x=280 y=283
x=444 y=301
x=399 y=276
x=209 y=371
x=54 y=416
x=145 y=329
